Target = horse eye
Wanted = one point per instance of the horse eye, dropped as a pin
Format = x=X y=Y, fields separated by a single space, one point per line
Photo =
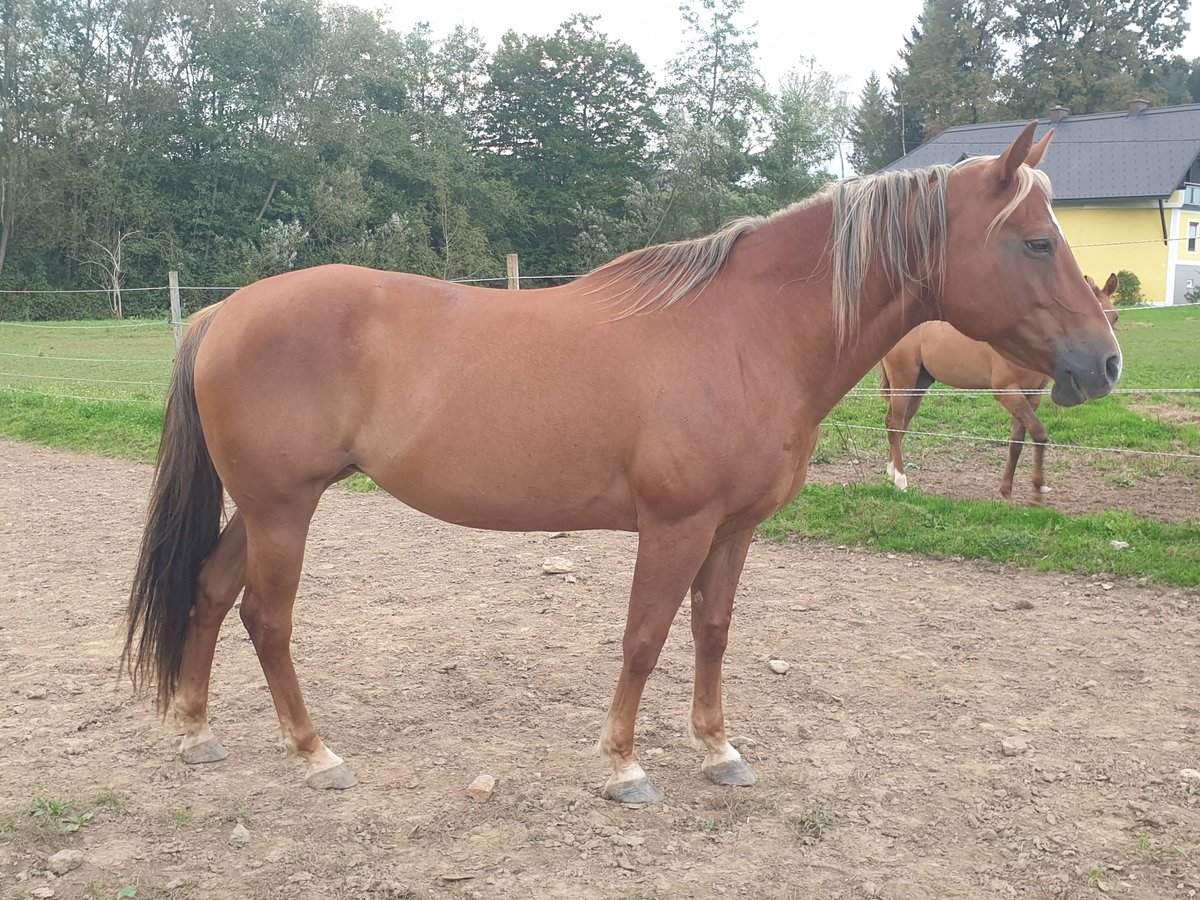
x=1040 y=246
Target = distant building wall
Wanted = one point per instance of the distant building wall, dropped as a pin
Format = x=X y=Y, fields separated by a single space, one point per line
x=1126 y=235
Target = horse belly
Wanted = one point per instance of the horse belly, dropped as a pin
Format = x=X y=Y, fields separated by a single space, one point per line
x=522 y=478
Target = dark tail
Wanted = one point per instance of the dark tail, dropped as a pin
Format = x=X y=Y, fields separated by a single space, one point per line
x=184 y=523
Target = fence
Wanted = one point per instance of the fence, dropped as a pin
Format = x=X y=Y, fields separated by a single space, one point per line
x=130 y=361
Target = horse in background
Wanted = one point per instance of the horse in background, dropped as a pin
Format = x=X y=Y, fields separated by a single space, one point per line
x=938 y=352
x=675 y=392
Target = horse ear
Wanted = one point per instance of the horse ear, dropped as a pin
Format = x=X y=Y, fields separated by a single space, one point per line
x=1039 y=150
x=1010 y=160
x=1091 y=284
x=1110 y=286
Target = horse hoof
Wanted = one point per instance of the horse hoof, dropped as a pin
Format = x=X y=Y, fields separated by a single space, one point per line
x=901 y=481
x=339 y=778
x=732 y=772
x=209 y=751
x=637 y=790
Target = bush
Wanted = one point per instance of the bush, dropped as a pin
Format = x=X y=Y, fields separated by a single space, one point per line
x=1129 y=292
x=1192 y=296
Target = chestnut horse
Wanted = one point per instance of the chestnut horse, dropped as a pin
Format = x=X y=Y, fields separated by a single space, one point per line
x=937 y=351
x=675 y=392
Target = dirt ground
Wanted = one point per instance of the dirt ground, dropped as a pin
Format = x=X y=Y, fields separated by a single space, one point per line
x=431 y=654
x=1151 y=487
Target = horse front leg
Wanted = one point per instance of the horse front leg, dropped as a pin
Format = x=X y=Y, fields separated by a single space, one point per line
x=1023 y=409
x=712 y=610
x=222 y=578
x=669 y=556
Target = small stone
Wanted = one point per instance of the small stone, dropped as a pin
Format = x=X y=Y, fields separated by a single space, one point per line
x=36 y=693
x=240 y=836
x=870 y=889
x=1091 y=684
x=779 y=666
x=571 y=579
x=1118 y=545
x=1190 y=774
x=1013 y=746
x=741 y=742
x=481 y=788
x=560 y=534
x=1107 y=586
x=655 y=752
x=300 y=877
x=1022 y=604
x=41 y=892
x=803 y=733
x=64 y=861
x=557 y=565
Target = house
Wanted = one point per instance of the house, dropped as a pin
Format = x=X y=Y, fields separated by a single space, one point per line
x=1126 y=188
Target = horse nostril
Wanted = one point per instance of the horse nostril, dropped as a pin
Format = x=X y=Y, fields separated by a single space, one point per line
x=1113 y=367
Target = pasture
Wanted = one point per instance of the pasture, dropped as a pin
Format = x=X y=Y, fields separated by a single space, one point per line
x=433 y=654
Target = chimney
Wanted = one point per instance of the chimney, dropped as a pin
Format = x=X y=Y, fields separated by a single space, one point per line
x=1137 y=106
x=1058 y=113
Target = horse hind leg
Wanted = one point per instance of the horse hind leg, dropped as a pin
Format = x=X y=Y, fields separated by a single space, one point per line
x=275 y=555
x=901 y=409
x=712 y=610
x=222 y=578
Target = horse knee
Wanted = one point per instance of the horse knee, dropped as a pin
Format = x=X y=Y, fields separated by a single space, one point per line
x=641 y=656
x=213 y=600
x=711 y=638
x=264 y=628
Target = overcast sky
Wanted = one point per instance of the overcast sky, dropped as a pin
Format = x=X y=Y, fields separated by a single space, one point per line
x=846 y=37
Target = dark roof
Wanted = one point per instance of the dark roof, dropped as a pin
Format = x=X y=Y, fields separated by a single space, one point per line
x=1101 y=156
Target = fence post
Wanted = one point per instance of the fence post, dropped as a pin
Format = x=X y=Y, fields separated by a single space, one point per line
x=176 y=314
x=514 y=272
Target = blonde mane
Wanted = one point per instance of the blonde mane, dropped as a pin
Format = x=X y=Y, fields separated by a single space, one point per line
x=894 y=218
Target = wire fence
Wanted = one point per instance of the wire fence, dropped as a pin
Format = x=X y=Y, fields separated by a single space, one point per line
x=143 y=348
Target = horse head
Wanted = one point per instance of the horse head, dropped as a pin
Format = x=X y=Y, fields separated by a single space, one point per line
x=1001 y=230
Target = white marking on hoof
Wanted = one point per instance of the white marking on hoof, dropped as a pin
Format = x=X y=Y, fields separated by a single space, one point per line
x=630 y=785
x=901 y=481
x=201 y=747
x=891 y=470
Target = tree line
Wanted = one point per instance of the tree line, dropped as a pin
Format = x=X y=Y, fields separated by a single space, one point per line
x=970 y=61
x=235 y=139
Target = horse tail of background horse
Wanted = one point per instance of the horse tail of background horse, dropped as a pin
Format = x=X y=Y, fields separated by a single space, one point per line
x=182 y=529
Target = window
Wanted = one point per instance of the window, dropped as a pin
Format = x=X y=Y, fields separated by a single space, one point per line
x=1193 y=227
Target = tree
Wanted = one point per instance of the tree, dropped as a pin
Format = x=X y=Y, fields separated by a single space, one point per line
x=807 y=120
x=569 y=120
x=1090 y=55
x=716 y=117
x=951 y=64
x=871 y=131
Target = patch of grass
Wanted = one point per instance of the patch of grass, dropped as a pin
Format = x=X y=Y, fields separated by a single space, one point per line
x=47 y=821
x=881 y=518
x=360 y=483
x=810 y=826
x=181 y=818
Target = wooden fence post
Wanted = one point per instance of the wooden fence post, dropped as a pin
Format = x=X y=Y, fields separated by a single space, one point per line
x=176 y=313
x=514 y=272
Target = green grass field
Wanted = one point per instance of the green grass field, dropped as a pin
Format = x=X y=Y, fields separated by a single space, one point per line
x=97 y=387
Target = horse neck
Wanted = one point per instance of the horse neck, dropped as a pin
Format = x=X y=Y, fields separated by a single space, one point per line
x=794 y=268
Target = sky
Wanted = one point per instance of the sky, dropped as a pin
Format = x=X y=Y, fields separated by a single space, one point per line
x=848 y=38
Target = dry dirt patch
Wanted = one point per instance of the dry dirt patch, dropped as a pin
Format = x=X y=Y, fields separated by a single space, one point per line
x=431 y=654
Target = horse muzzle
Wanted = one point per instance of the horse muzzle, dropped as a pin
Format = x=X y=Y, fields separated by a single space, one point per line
x=1085 y=374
